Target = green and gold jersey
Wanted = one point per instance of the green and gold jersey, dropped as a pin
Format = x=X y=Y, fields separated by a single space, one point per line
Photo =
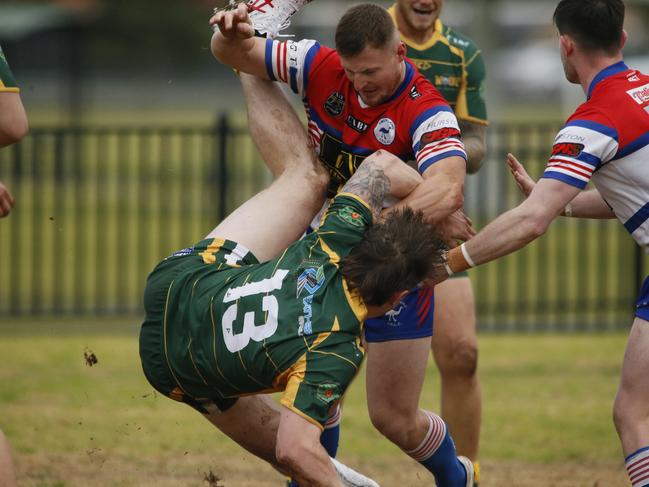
x=232 y=327
x=454 y=64
x=7 y=81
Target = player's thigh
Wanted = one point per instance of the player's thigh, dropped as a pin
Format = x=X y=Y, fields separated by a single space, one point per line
x=634 y=383
x=395 y=374
x=454 y=318
x=252 y=422
x=273 y=219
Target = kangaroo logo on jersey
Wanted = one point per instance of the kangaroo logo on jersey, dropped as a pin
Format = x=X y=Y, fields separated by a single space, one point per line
x=335 y=104
x=640 y=95
x=385 y=131
x=567 y=149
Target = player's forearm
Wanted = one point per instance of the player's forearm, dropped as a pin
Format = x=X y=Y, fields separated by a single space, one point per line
x=590 y=204
x=13 y=120
x=238 y=53
x=474 y=137
x=436 y=197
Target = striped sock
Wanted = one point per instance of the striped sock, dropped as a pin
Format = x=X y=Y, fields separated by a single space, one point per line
x=329 y=438
x=437 y=454
x=637 y=466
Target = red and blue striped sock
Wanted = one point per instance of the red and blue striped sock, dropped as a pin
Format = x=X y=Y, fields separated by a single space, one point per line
x=637 y=466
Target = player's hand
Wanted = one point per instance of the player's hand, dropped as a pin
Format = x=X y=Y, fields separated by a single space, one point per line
x=233 y=24
x=523 y=180
x=6 y=201
x=456 y=226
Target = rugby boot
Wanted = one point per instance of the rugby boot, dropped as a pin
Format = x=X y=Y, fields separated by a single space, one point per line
x=270 y=17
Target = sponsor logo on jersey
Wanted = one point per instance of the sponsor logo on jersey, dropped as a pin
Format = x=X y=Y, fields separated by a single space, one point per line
x=414 y=94
x=393 y=314
x=572 y=137
x=328 y=392
x=633 y=77
x=335 y=104
x=310 y=281
x=567 y=149
x=350 y=215
x=356 y=124
x=437 y=135
x=448 y=81
x=385 y=131
x=640 y=95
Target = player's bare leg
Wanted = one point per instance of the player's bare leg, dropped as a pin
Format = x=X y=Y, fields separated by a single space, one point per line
x=7 y=469
x=455 y=349
x=631 y=409
x=260 y=224
x=395 y=375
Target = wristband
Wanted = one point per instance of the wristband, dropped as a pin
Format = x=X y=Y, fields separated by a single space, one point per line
x=457 y=260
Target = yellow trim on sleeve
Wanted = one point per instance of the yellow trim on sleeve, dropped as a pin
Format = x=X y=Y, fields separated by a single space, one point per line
x=208 y=254
x=355 y=303
x=358 y=198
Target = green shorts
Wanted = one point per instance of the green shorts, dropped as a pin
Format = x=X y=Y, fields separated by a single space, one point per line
x=152 y=354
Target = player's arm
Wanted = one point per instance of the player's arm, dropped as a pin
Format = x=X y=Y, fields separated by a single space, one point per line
x=474 y=136
x=234 y=42
x=587 y=204
x=13 y=119
x=380 y=175
x=299 y=451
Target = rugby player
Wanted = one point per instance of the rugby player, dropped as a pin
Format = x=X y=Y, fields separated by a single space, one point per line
x=454 y=64
x=13 y=127
x=13 y=122
x=239 y=314
x=605 y=140
x=361 y=97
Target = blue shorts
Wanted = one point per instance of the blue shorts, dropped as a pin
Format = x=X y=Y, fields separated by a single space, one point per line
x=642 y=306
x=412 y=318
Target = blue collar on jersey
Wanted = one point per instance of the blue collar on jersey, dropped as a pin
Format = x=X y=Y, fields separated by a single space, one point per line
x=410 y=72
x=605 y=73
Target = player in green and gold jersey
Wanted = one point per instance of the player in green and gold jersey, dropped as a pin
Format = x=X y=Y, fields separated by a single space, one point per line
x=454 y=64
x=13 y=122
x=245 y=311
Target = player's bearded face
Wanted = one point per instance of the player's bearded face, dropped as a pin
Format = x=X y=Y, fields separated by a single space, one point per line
x=420 y=15
x=375 y=73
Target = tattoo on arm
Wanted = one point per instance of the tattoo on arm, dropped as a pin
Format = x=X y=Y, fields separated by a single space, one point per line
x=371 y=184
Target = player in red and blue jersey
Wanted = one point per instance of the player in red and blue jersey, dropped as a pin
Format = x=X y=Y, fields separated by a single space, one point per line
x=361 y=97
x=606 y=140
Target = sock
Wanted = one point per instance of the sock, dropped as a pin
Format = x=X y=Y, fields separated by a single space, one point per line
x=637 y=466
x=437 y=454
x=329 y=438
x=476 y=473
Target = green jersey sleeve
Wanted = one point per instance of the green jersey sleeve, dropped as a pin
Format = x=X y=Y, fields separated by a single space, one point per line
x=475 y=87
x=7 y=81
x=344 y=223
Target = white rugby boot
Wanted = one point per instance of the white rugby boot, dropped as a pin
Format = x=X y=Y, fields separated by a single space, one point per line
x=269 y=17
x=351 y=478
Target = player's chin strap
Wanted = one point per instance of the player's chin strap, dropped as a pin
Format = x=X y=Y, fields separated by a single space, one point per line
x=351 y=478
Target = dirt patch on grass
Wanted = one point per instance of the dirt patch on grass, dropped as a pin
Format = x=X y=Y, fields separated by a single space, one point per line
x=99 y=468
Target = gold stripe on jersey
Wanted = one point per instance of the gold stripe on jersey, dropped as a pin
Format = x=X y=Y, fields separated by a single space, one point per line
x=191 y=357
x=357 y=198
x=8 y=89
x=293 y=377
x=216 y=362
x=355 y=303
x=164 y=340
x=208 y=254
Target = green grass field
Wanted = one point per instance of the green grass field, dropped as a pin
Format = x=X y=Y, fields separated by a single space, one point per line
x=547 y=419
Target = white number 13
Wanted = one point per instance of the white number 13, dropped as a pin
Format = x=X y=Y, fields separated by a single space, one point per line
x=238 y=341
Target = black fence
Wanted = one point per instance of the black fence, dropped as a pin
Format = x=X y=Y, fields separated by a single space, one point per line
x=96 y=208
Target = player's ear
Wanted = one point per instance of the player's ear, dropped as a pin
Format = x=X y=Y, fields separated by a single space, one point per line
x=567 y=44
x=401 y=50
x=624 y=38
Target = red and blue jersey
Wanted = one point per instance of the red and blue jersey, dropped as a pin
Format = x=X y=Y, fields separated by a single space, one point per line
x=607 y=140
x=416 y=123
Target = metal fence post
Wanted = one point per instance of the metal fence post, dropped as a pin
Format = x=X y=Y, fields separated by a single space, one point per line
x=223 y=129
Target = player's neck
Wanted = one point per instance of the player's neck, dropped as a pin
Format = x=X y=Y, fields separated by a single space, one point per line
x=590 y=67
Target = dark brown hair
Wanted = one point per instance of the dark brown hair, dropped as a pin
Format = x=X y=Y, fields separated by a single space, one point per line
x=363 y=25
x=396 y=254
x=595 y=25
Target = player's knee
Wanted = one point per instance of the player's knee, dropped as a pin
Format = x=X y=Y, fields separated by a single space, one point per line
x=461 y=360
x=394 y=425
x=288 y=454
